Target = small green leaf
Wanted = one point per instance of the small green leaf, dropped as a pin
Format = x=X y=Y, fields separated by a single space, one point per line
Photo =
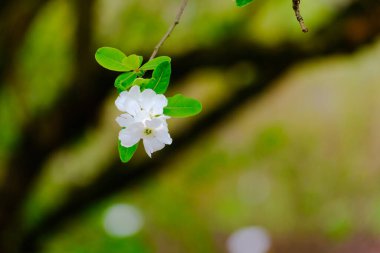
x=132 y=62
x=127 y=153
x=140 y=81
x=111 y=58
x=152 y=64
x=160 y=78
x=180 y=106
x=241 y=3
x=125 y=81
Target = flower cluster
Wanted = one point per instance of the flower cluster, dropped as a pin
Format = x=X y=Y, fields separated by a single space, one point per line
x=143 y=118
x=145 y=108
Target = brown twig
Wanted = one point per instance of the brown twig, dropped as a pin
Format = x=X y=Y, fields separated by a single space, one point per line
x=170 y=30
x=296 y=8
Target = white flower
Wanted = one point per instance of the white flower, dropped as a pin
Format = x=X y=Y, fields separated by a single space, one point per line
x=144 y=119
x=141 y=105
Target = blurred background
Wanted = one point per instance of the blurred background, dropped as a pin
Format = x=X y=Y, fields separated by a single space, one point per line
x=284 y=157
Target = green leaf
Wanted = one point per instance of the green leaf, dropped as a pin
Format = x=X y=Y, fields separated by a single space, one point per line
x=125 y=81
x=132 y=62
x=160 y=78
x=127 y=153
x=111 y=58
x=152 y=64
x=241 y=3
x=180 y=106
x=140 y=82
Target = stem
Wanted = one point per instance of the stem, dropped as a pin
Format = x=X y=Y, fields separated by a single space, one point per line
x=296 y=8
x=171 y=28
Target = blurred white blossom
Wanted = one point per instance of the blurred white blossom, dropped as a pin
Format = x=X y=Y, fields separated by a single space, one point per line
x=122 y=220
x=249 y=240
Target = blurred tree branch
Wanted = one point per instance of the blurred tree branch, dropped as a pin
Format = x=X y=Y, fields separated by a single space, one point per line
x=78 y=107
x=16 y=18
x=26 y=165
x=271 y=64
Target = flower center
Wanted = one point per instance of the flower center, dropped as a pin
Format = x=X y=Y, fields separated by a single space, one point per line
x=148 y=131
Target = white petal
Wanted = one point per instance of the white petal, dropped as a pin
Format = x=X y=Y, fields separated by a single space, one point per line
x=163 y=136
x=154 y=123
x=142 y=116
x=147 y=99
x=159 y=103
x=125 y=120
x=163 y=119
x=132 y=107
x=120 y=101
x=128 y=140
x=135 y=93
x=151 y=145
x=131 y=135
x=147 y=148
x=124 y=93
x=126 y=102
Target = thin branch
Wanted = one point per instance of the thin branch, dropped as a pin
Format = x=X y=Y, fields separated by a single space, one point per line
x=296 y=8
x=171 y=28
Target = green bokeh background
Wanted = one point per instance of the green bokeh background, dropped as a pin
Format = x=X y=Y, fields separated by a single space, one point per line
x=301 y=160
